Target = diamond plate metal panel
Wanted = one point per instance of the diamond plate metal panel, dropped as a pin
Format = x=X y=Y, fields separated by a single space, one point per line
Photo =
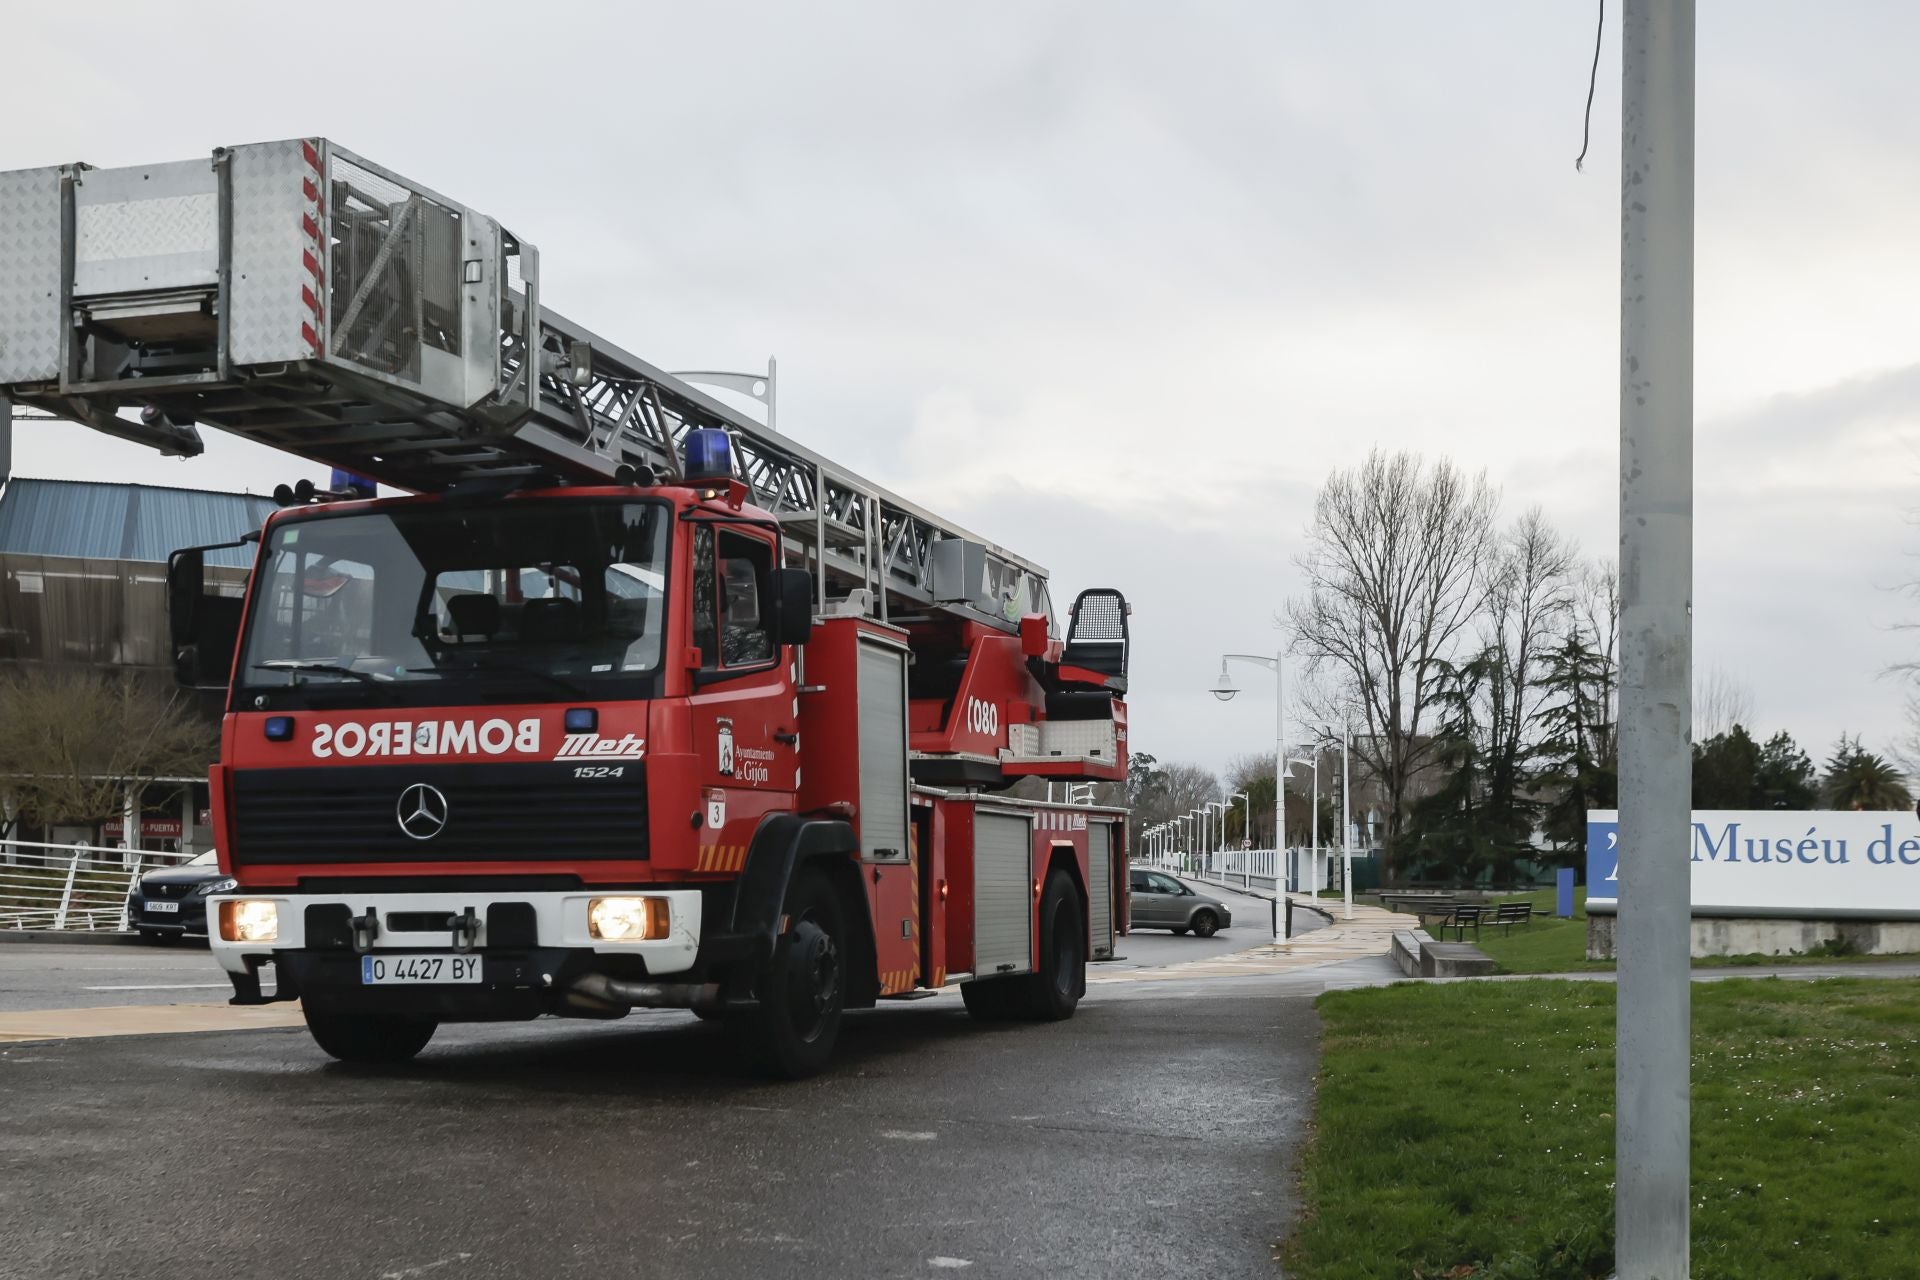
x=269 y=275
x=29 y=275
x=145 y=228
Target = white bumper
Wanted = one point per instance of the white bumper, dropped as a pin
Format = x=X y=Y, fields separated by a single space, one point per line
x=560 y=921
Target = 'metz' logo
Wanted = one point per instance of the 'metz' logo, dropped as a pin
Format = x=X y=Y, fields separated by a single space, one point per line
x=426 y=738
x=591 y=746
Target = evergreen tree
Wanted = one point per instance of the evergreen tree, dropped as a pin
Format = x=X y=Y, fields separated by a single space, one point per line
x=1785 y=778
x=1726 y=771
x=1579 y=769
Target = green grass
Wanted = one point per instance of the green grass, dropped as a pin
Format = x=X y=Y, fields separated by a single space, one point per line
x=1466 y=1131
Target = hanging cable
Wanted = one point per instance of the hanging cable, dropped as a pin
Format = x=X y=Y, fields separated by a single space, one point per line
x=1593 y=78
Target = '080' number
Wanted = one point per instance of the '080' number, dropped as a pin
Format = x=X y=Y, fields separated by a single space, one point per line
x=983 y=717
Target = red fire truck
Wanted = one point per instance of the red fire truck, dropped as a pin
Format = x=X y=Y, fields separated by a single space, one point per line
x=628 y=700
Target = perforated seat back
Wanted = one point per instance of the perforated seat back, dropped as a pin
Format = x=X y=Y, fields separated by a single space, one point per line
x=1097 y=633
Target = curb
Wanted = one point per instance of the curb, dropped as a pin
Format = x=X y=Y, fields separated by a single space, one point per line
x=64 y=938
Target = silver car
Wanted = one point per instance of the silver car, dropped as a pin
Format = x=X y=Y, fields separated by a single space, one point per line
x=1161 y=902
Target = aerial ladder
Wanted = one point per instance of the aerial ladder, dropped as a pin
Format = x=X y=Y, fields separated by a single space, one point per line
x=300 y=296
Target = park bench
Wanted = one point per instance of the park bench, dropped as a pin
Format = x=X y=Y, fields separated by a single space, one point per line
x=1509 y=914
x=1465 y=915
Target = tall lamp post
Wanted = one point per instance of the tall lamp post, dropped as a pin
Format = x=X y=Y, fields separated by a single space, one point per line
x=1219 y=827
x=1246 y=832
x=1346 y=803
x=1224 y=688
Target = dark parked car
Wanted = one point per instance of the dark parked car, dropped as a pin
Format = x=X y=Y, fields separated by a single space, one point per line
x=171 y=902
x=1161 y=902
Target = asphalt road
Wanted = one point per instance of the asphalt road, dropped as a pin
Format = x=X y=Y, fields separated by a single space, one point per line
x=1153 y=1134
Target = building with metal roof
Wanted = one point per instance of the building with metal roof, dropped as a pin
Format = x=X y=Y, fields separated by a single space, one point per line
x=139 y=523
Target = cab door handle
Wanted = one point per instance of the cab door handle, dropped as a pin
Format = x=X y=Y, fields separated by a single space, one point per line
x=792 y=739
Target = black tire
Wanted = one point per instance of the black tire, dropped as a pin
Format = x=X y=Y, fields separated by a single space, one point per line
x=992 y=999
x=709 y=1015
x=370 y=1038
x=1205 y=923
x=1180 y=931
x=792 y=1030
x=1054 y=991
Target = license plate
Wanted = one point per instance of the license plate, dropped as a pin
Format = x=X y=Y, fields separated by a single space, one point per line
x=155 y=904
x=378 y=971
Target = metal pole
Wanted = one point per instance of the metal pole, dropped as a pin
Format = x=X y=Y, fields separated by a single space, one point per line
x=1280 y=917
x=1346 y=820
x=1313 y=860
x=1651 y=1128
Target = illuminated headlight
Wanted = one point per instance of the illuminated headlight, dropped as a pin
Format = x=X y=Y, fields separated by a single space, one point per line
x=249 y=920
x=227 y=885
x=627 y=919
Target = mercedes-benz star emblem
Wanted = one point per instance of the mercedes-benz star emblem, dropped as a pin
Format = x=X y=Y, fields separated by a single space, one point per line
x=422 y=811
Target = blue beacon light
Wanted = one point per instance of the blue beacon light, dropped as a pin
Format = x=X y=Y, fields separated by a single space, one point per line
x=709 y=454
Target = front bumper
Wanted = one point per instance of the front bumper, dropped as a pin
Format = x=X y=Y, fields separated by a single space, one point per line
x=531 y=945
x=191 y=918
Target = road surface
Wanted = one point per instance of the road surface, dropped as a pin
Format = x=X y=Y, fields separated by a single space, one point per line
x=1153 y=1134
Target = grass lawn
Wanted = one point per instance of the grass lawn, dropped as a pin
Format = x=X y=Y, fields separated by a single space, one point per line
x=1467 y=1131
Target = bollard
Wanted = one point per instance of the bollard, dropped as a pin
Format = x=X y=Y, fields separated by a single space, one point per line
x=1563 y=897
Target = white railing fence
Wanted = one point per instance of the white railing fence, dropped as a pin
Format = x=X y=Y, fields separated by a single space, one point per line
x=73 y=887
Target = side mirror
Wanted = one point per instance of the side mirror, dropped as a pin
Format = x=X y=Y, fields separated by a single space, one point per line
x=204 y=630
x=795 y=594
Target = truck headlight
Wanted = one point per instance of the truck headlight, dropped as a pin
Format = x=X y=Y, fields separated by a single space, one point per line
x=627 y=919
x=249 y=920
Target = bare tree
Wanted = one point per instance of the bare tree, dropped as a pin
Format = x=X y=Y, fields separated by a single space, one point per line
x=1176 y=789
x=1529 y=595
x=1719 y=702
x=1396 y=566
x=70 y=741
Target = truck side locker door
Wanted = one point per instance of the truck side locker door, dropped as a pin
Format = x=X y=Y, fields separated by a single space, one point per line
x=882 y=812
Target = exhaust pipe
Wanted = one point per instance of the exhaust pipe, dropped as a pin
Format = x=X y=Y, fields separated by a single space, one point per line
x=648 y=995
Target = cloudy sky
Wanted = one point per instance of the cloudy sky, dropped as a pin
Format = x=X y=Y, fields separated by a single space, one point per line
x=1118 y=284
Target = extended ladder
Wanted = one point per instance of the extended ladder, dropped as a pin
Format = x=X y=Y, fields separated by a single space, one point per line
x=297 y=295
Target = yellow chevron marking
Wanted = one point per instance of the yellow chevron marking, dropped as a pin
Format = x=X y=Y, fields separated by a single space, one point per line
x=706 y=858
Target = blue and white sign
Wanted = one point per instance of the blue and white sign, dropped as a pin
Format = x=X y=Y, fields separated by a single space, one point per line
x=1779 y=862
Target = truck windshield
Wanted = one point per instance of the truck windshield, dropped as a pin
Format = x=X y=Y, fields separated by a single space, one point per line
x=518 y=601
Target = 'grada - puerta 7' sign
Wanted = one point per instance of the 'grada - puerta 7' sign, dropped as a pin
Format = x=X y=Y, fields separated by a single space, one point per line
x=1782 y=862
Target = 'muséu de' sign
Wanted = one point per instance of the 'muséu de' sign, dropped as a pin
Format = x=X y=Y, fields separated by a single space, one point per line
x=1782 y=862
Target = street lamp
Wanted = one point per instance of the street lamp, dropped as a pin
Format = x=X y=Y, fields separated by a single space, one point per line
x=1224 y=688
x=1246 y=831
x=1346 y=822
x=1219 y=826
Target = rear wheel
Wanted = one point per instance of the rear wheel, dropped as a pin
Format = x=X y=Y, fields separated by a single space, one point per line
x=379 y=1038
x=1054 y=991
x=792 y=1029
x=1205 y=923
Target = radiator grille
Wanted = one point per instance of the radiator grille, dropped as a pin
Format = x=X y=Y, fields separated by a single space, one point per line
x=521 y=812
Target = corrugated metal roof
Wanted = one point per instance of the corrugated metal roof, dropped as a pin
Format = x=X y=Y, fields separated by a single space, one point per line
x=138 y=522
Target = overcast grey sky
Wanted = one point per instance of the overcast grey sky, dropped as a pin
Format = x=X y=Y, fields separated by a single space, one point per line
x=1117 y=284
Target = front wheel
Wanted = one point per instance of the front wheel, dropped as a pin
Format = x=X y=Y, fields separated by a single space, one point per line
x=792 y=1029
x=1205 y=923
x=370 y=1038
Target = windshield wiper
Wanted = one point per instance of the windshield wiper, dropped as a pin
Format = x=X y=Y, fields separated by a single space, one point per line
x=301 y=666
